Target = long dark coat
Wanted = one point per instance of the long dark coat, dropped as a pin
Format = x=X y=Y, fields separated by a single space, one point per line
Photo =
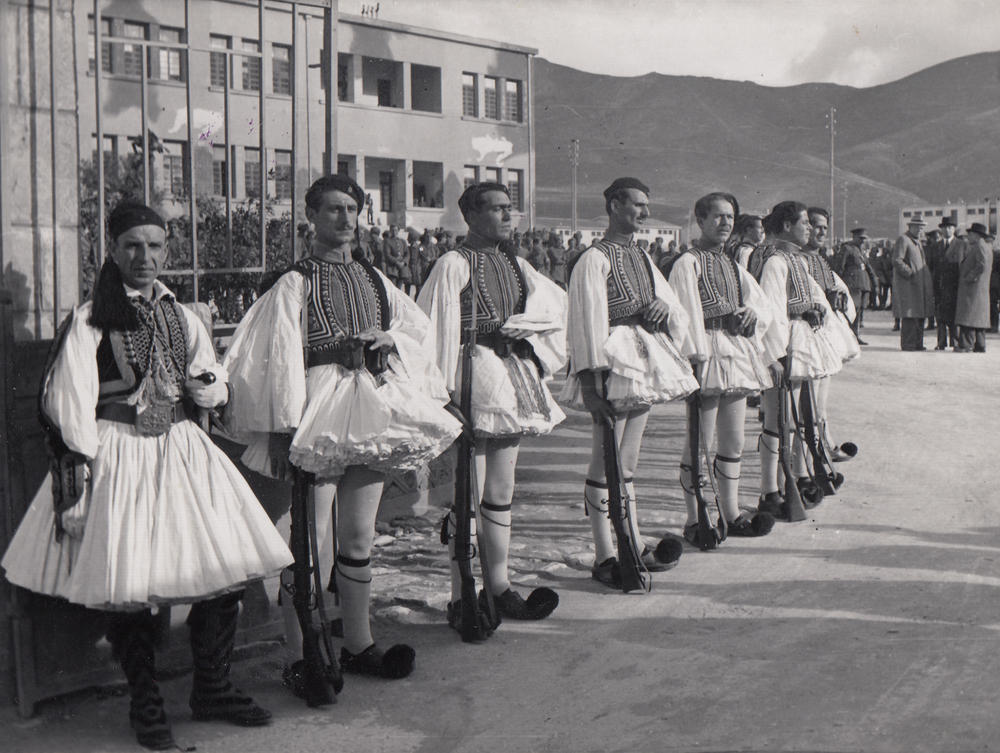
x=912 y=288
x=973 y=308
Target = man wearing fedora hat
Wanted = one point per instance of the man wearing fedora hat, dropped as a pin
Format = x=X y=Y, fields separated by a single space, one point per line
x=853 y=268
x=911 y=285
x=972 y=310
x=944 y=273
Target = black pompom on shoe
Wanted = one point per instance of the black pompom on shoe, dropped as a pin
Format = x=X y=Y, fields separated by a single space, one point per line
x=811 y=494
x=752 y=524
x=540 y=604
x=666 y=555
x=773 y=505
x=393 y=664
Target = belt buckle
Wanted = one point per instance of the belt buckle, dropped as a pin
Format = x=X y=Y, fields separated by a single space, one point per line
x=356 y=355
x=154 y=420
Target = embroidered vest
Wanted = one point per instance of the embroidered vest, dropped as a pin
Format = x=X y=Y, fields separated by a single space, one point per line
x=798 y=293
x=342 y=300
x=820 y=270
x=718 y=284
x=630 y=280
x=500 y=290
x=123 y=357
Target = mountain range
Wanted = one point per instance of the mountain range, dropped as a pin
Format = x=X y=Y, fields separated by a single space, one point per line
x=931 y=137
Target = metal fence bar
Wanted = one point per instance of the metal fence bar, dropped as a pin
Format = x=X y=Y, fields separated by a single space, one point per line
x=228 y=183
x=330 y=51
x=261 y=117
x=56 y=297
x=294 y=56
x=98 y=75
x=143 y=94
x=192 y=193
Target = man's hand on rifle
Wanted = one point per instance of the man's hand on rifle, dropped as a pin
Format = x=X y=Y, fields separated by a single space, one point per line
x=656 y=312
x=596 y=404
x=378 y=339
x=278 y=447
x=777 y=371
x=748 y=321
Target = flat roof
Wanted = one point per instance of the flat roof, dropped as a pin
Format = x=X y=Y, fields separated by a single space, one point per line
x=420 y=31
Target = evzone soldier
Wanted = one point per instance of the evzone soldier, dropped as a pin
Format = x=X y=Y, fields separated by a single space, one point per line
x=330 y=375
x=797 y=336
x=520 y=318
x=749 y=234
x=629 y=341
x=837 y=327
x=148 y=511
x=729 y=316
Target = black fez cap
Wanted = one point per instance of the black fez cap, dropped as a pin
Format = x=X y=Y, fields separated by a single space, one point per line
x=342 y=183
x=620 y=184
x=129 y=214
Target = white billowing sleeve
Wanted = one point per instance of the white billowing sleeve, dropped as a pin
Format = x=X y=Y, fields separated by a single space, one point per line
x=588 y=329
x=201 y=359
x=819 y=295
x=545 y=310
x=684 y=283
x=773 y=282
x=70 y=388
x=410 y=331
x=265 y=362
x=439 y=300
x=678 y=320
x=755 y=300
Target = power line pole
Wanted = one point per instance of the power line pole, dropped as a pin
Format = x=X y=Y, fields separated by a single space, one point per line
x=832 y=125
x=574 y=161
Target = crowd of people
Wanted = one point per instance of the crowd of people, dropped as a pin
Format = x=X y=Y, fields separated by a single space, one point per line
x=375 y=352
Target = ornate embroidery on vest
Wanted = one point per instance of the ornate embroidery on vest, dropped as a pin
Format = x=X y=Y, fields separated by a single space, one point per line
x=718 y=284
x=341 y=301
x=124 y=358
x=500 y=291
x=630 y=285
x=820 y=270
x=800 y=297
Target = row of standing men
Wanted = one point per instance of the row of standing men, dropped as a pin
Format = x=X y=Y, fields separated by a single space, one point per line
x=336 y=377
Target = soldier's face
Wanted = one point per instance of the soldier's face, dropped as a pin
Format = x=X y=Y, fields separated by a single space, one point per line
x=632 y=210
x=335 y=218
x=492 y=219
x=799 y=230
x=717 y=225
x=817 y=237
x=139 y=253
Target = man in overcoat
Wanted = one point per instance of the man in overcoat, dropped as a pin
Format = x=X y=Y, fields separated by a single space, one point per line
x=912 y=289
x=942 y=260
x=972 y=310
x=853 y=268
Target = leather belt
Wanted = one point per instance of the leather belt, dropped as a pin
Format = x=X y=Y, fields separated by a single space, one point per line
x=352 y=355
x=125 y=414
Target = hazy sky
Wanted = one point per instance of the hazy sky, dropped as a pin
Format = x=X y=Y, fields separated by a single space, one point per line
x=770 y=42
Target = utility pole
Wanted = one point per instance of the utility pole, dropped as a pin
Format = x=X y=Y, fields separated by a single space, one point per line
x=832 y=125
x=574 y=161
x=843 y=213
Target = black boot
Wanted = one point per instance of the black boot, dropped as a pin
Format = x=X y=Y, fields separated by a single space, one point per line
x=213 y=632
x=132 y=638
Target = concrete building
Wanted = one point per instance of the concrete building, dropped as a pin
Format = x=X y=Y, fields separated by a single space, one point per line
x=421 y=114
x=963 y=213
x=593 y=229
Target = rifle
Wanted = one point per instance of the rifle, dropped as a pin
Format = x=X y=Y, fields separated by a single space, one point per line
x=709 y=535
x=321 y=672
x=478 y=619
x=793 y=501
x=634 y=576
x=827 y=479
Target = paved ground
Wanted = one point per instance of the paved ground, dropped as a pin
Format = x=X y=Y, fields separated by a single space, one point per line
x=873 y=626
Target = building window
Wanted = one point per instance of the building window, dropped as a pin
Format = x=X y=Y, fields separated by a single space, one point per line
x=168 y=67
x=132 y=53
x=382 y=82
x=217 y=60
x=105 y=46
x=470 y=175
x=281 y=69
x=251 y=66
x=491 y=103
x=515 y=183
x=343 y=168
x=345 y=76
x=251 y=172
x=110 y=150
x=428 y=184
x=512 y=100
x=470 y=95
x=174 y=176
x=425 y=88
x=492 y=174
x=219 y=167
x=282 y=175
